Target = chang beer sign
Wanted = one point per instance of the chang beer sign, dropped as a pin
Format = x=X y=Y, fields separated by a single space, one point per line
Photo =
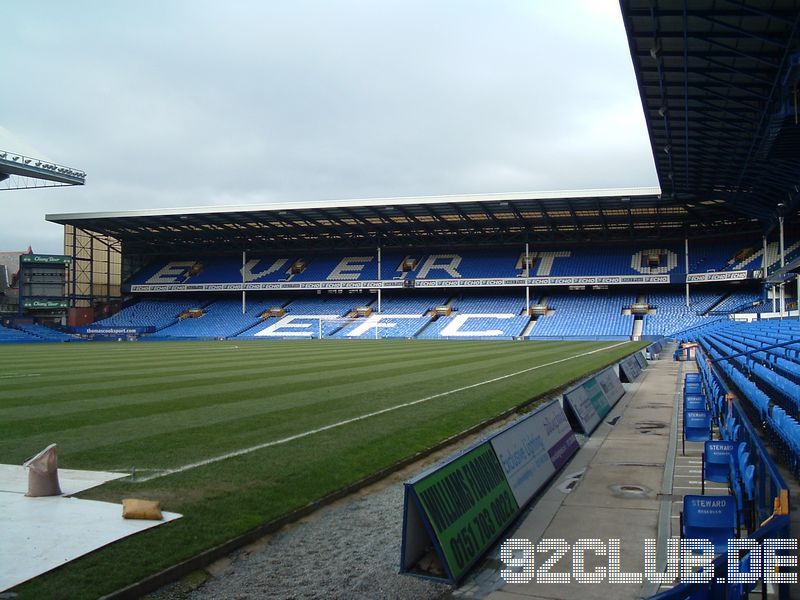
x=466 y=505
x=44 y=259
x=44 y=304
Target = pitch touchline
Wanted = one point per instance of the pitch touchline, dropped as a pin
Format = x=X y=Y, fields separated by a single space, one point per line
x=13 y=375
x=298 y=436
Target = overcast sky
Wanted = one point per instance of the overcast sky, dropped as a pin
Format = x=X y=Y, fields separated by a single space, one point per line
x=188 y=103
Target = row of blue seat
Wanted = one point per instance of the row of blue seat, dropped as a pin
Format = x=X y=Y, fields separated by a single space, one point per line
x=775 y=400
x=474 y=263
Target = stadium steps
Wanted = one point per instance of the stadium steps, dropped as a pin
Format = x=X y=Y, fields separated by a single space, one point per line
x=638 y=327
x=345 y=322
x=42 y=333
x=722 y=299
x=434 y=319
x=424 y=327
x=247 y=328
x=30 y=333
x=527 y=331
x=260 y=323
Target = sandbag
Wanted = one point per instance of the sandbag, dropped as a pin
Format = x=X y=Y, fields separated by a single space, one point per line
x=43 y=473
x=133 y=508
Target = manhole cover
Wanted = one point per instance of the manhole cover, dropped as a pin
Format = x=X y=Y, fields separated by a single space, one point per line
x=630 y=490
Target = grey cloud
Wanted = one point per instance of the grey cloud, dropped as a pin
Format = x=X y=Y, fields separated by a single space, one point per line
x=194 y=103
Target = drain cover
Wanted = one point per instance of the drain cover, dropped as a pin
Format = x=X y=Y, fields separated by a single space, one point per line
x=630 y=490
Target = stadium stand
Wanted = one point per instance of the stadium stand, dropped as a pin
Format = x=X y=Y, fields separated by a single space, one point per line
x=44 y=333
x=585 y=315
x=10 y=335
x=152 y=313
x=762 y=362
x=671 y=314
x=464 y=264
x=221 y=319
x=336 y=305
x=512 y=303
x=705 y=257
x=305 y=317
x=411 y=303
x=738 y=302
x=476 y=327
x=570 y=314
x=461 y=264
x=754 y=256
x=389 y=326
x=353 y=267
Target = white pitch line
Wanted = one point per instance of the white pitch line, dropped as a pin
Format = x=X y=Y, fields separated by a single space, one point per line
x=14 y=375
x=298 y=436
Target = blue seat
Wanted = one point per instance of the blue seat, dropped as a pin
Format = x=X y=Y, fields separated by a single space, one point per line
x=744 y=502
x=739 y=461
x=694 y=402
x=716 y=460
x=737 y=431
x=727 y=430
x=696 y=426
x=709 y=517
x=691 y=377
x=692 y=387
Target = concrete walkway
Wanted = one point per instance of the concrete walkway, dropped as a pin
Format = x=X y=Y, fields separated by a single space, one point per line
x=612 y=489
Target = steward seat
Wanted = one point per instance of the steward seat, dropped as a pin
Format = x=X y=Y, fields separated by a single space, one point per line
x=709 y=517
x=716 y=461
x=696 y=426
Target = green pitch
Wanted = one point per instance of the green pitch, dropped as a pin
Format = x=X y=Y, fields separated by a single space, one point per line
x=161 y=408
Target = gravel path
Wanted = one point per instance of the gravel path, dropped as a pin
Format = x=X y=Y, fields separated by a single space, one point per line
x=348 y=550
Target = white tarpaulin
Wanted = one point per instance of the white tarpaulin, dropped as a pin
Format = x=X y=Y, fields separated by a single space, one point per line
x=40 y=534
x=14 y=478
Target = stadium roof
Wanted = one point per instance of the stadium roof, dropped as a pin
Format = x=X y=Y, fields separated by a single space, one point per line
x=506 y=218
x=719 y=84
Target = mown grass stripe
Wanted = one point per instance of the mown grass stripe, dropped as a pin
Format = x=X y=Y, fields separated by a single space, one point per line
x=369 y=415
x=253 y=399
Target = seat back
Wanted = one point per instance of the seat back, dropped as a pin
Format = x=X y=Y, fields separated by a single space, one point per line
x=709 y=517
x=692 y=387
x=749 y=481
x=694 y=402
x=697 y=425
x=716 y=459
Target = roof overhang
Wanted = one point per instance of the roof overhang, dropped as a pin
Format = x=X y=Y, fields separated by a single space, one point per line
x=719 y=82
x=479 y=219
